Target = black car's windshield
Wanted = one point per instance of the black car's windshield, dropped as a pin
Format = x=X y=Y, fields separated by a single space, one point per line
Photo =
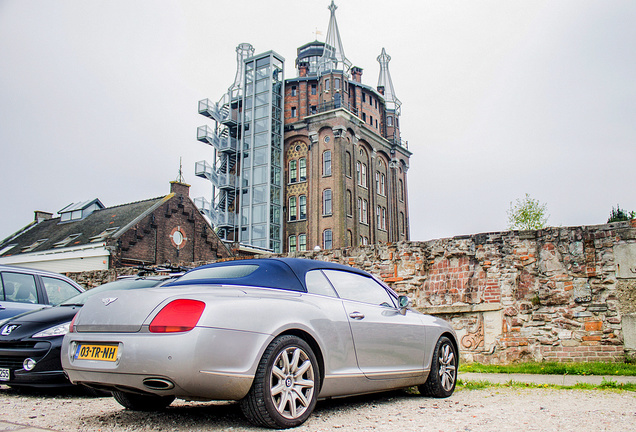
x=123 y=284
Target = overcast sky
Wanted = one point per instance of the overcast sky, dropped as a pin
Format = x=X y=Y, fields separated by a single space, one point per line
x=98 y=99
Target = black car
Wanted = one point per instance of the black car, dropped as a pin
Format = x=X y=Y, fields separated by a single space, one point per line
x=30 y=343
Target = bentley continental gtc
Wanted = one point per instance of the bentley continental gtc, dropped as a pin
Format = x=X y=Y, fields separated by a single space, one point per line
x=274 y=334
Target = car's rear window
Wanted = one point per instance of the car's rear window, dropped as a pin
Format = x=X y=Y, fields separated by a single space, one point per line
x=223 y=272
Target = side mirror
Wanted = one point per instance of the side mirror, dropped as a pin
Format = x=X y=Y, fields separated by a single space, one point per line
x=403 y=303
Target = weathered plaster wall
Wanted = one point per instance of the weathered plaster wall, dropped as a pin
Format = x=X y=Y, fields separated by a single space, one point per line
x=563 y=294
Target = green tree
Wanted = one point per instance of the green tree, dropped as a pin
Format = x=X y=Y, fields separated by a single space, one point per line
x=527 y=214
x=618 y=214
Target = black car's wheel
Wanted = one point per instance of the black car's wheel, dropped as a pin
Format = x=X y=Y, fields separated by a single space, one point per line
x=139 y=402
x=286 y=385
x=443 y=376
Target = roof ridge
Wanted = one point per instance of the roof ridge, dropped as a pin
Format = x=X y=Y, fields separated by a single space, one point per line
x=135 y=202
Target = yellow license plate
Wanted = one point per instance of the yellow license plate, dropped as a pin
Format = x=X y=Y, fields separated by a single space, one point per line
x=96 y=352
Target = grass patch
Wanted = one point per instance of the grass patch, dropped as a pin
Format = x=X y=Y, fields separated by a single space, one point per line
x=554 y=368
x=605 y=385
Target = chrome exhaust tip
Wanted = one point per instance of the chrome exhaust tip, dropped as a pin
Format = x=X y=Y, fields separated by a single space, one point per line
x=158 y=384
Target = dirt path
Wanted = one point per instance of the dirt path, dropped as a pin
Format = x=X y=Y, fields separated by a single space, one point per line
x=466 y=410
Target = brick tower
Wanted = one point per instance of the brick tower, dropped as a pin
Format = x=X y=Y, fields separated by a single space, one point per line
x=339 y=177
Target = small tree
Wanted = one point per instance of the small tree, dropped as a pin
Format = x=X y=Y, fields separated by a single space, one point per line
x=527 y=214
x=618 y=214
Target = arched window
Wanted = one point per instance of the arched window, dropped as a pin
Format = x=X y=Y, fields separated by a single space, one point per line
x=292 y=208
x=292 y=243
x=302 y=242
x=302 y=204
x=292 y=171
x=363 y=176
x=302 y=168
x=326 y=163
x=326 y=202
x=348 y=164
x=327 y=239
x=401 y=189
x=384 y=218
x=349 y=203
x=382 y=184
x=365 y=212
x=349 y=238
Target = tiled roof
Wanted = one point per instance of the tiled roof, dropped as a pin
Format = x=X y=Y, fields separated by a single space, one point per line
x=54 y=231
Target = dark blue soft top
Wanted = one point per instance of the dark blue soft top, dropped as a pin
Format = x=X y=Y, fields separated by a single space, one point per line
x=280 y=273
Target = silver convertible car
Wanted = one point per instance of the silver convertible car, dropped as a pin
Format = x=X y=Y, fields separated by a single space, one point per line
x=275 y=334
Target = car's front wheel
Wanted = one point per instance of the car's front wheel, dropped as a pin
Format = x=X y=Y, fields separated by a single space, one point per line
x=443 y=375
x=139 y=402
x=286 y=385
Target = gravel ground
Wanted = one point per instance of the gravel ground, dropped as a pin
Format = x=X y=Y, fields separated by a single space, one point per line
x=467 y=410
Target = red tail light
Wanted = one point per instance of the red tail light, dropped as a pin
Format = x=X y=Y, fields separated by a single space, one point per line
x=177 y=316
x=71 y=326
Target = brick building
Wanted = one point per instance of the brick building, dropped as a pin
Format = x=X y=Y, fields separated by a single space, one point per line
x=89 y=236
x=314 y=160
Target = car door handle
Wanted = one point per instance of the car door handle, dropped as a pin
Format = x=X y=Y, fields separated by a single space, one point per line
x=356 y=315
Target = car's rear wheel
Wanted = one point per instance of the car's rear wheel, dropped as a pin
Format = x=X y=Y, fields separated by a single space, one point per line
x=139 y=402
x=443 y=376
x=286 y=385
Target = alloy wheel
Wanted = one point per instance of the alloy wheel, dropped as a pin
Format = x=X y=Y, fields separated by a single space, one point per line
x=292 y=382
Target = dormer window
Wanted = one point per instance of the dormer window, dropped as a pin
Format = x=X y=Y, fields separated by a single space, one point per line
x=66 y=241
x=103 y=235
x=33 y=245
x=77 y=211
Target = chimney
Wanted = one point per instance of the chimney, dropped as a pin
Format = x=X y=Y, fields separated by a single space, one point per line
x=303 y=69
x=356 y=73
x=42 y=216
x=179 y=188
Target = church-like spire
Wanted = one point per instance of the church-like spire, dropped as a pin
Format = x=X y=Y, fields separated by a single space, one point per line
x=333 y=57
x=384 y=81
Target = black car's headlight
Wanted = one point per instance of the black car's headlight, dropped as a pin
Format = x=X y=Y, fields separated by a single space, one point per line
x=58 y=330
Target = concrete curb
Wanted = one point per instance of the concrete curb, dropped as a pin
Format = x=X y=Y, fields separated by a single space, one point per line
x=566 y=380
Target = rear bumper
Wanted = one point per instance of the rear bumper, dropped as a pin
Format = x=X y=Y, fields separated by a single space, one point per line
x=205 y=363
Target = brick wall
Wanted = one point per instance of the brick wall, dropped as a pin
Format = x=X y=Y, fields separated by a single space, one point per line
x=151 y=240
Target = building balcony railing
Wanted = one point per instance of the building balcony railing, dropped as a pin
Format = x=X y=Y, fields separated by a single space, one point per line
x=219 y=179
x=205 y=170
x=220 y=112
x=222 y=143
x=204 y=206
x=212 y=110
x=399 y=142
x=224 y=219
x=328 y=106
x=226 y=181
x=219 y=218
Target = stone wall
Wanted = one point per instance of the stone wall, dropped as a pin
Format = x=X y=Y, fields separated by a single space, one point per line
x=561 y=294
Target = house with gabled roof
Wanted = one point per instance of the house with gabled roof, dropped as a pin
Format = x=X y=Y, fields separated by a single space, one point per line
x=90 y=236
